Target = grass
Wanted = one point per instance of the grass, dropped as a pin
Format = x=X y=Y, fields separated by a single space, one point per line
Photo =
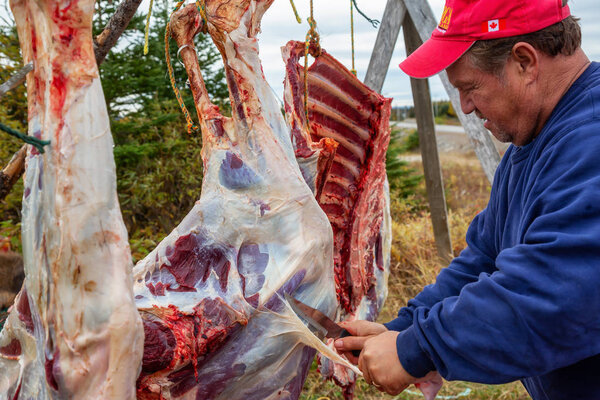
x=415 y=264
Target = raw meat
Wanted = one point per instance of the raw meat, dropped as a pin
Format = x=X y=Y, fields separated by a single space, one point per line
x=210 y=293
x=74 y=332
x=353 y=192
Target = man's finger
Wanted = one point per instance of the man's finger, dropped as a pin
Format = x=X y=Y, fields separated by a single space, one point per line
x=350 y=343
x=363 y=328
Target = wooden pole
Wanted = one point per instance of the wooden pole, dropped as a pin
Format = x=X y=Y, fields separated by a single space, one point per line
x=429 y=150
x=384 y=44
x=424 y=21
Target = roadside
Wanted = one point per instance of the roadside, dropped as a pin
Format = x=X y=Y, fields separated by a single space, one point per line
x=450 y=139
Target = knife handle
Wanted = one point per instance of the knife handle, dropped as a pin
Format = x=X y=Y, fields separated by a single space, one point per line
x=345 y=333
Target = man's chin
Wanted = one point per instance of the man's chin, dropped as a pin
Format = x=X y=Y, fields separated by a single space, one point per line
x=500 y=135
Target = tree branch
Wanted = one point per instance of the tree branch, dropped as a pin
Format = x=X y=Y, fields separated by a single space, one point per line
x=12 y=172
x=114 y=29
x=15 y=80
x=102 y=45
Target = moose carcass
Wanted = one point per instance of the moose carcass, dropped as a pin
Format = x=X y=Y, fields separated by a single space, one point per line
x=74 y=331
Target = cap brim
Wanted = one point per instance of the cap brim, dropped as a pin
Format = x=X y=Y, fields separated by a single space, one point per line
x=434 y=56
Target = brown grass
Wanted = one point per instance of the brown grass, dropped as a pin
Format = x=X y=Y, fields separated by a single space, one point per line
x=415 y=264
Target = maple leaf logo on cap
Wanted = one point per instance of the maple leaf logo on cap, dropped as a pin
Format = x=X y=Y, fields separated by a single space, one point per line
x=493 y=25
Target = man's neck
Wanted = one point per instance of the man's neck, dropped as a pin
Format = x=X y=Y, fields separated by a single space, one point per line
x=558 y=74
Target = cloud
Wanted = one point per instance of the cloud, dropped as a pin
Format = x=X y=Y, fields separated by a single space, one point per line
x=333 y=22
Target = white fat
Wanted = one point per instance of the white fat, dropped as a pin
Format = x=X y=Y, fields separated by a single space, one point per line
x=290 y=324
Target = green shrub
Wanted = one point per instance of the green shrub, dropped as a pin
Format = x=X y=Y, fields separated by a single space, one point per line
x=402 y=178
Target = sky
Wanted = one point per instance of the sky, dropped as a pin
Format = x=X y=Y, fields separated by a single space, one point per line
x=333 y=22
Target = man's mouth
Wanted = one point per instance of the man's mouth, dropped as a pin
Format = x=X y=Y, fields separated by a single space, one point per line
x=486 y=122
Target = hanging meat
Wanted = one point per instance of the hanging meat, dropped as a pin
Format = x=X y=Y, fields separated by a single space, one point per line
x=74 y=331
x=354 y=192
x=210 y=295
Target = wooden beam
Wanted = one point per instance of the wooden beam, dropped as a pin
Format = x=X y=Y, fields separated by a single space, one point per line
x=424 y=21
x=384 y=44
x=429 y=151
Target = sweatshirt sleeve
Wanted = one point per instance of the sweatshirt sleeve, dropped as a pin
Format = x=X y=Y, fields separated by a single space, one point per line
x=478 y=257
x=539 y=310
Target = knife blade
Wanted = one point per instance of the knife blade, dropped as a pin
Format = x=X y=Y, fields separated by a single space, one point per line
x=317 y=321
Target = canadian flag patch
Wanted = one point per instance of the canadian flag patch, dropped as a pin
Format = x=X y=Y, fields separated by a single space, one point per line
x=493 y=25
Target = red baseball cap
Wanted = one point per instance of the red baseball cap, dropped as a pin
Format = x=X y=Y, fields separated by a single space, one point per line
x=466 y=21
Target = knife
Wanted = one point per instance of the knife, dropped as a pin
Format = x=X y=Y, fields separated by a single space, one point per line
x=318 y=322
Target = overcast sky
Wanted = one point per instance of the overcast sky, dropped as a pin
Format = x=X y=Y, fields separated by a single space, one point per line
x=333 y=22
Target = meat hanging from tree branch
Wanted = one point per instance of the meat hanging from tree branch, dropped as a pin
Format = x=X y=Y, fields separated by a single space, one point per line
x=102 y=45
x=210 y=295
x=75 y=331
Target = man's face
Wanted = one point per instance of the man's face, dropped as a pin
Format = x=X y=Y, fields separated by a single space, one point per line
x=505 y=102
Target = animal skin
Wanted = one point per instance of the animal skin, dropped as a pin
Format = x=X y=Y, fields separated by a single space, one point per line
x=74 y=331
x=209 y=296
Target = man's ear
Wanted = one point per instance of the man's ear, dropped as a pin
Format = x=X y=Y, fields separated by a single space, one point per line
x=526 y=59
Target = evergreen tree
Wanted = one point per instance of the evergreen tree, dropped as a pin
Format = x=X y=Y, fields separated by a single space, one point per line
x=13 y=113
x=159 y=170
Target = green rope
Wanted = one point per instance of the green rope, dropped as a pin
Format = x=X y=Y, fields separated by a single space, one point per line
x=37 y=143
x=373 y=22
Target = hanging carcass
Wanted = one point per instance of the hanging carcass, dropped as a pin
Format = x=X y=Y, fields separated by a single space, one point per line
x=354 y=191
x=74 y=331
x=209 y=295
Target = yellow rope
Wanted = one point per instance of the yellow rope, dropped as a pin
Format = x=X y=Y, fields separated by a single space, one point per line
x=191 y=127
x=312 y=38
x=295 y=12
x=201 y=5
x=353 y=70
x=147 y=27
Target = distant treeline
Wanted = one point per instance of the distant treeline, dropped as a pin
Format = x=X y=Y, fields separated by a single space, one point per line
x=441 y=108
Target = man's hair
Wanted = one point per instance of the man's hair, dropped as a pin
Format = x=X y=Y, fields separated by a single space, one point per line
x=564 y=38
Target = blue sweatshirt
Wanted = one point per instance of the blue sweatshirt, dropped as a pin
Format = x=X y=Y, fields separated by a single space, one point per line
x=522 y=301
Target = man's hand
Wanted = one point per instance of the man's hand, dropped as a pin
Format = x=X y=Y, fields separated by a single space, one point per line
x=360 y=331
x=381 y=367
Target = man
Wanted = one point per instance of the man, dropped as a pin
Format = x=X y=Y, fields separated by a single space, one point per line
x=522 y=301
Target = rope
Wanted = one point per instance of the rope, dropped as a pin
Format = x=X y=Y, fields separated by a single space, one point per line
x=191 y=127
x=373 y=22
x=353 y=70
x=201 y=6
x=147 y=27
x=312 y=39
x=35 y=142
x=295 y=12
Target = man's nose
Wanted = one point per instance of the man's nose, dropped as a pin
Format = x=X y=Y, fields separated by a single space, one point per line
x=466 y=103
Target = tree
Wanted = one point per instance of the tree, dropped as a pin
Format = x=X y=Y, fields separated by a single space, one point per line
x=159 y=170
x=13 y=113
